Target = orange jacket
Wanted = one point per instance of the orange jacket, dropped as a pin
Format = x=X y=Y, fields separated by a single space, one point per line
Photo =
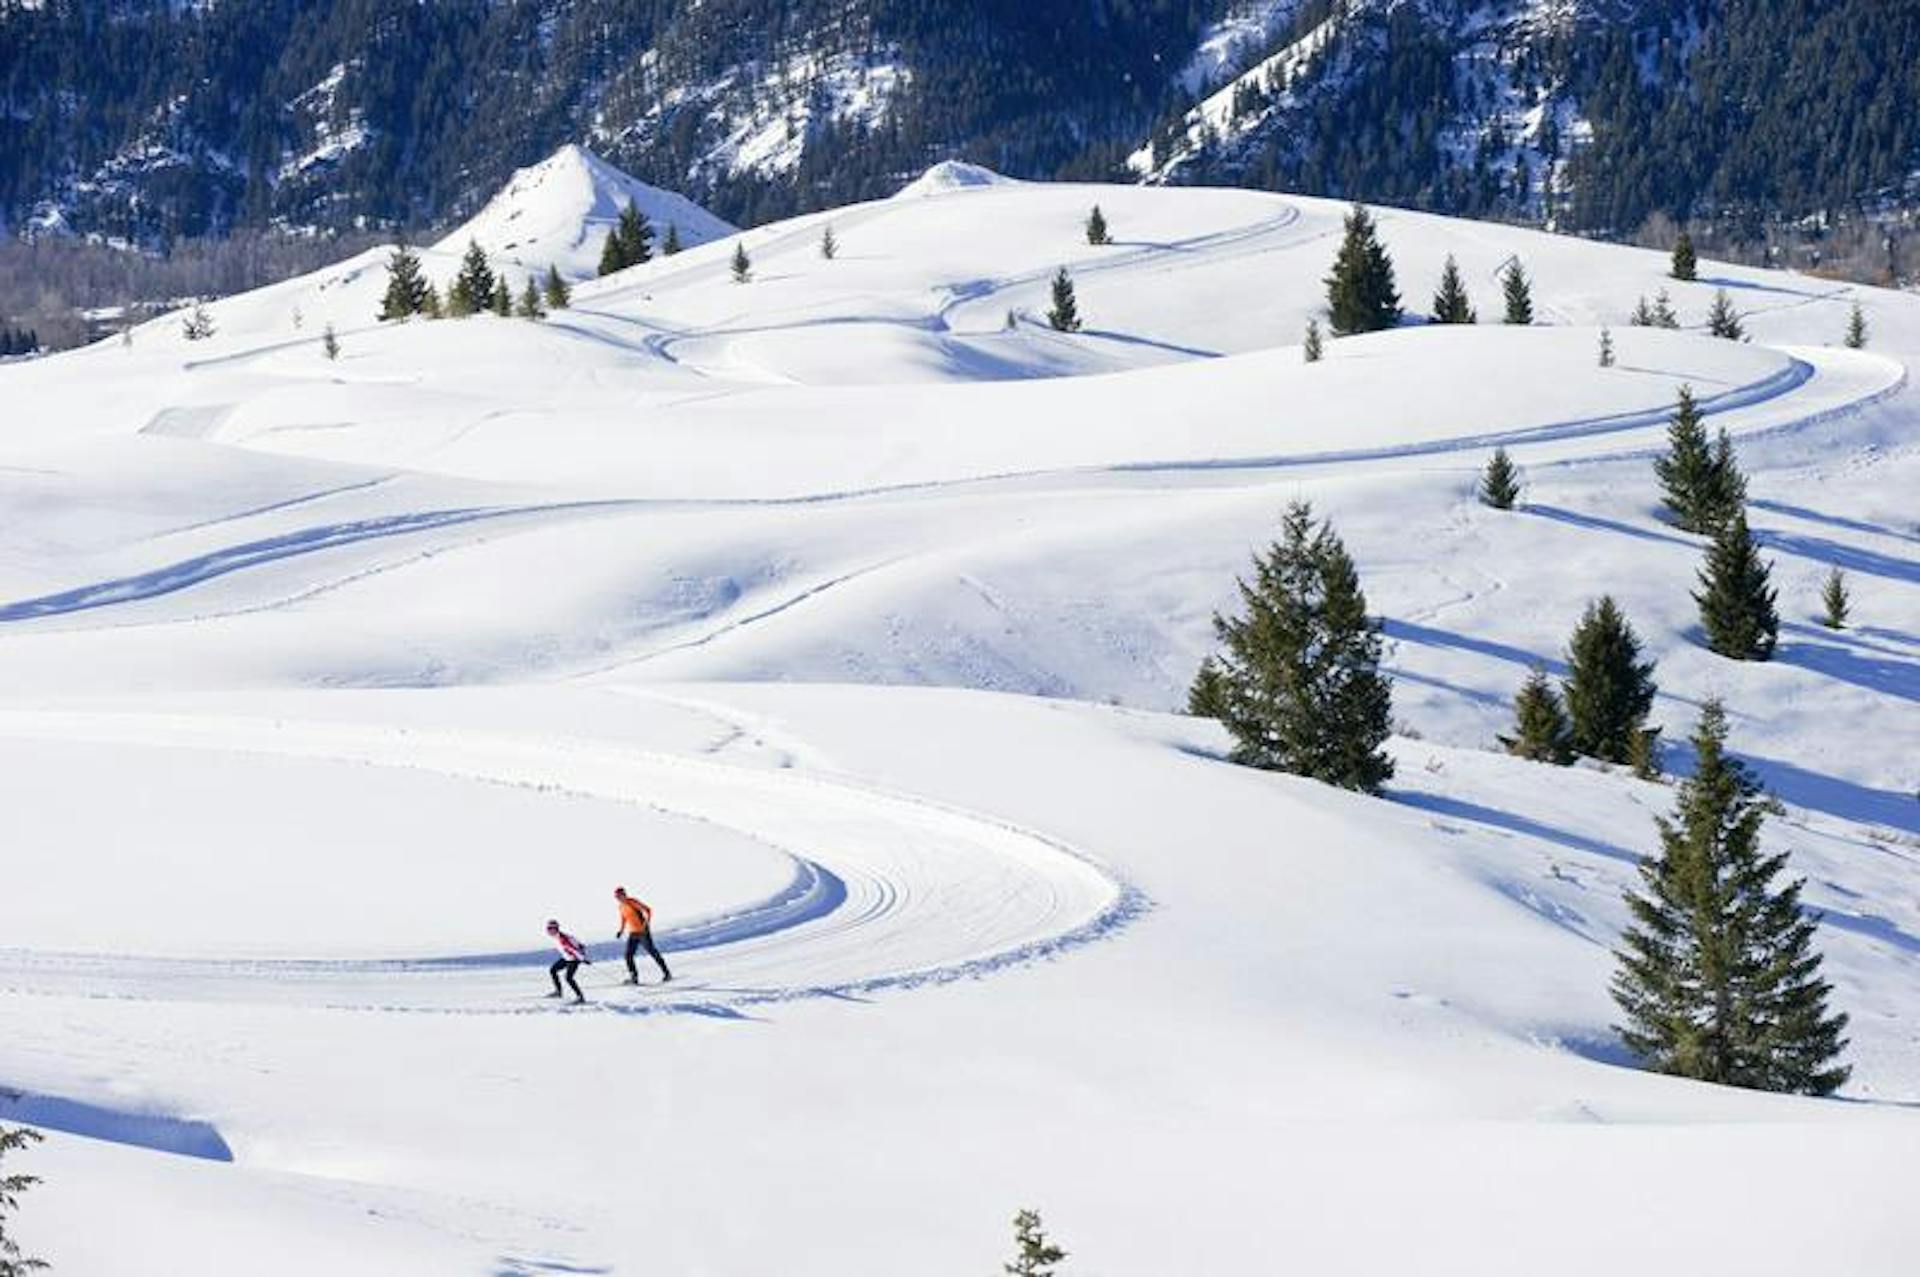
x=634 y=916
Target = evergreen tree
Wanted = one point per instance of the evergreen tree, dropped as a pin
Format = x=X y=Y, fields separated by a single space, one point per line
x=556 y=294
x=1726 y=491
x=1664 y=315
x=1312 y=349
x=1835 y=601
x=1064 y=315
x=1643 y=753
x=330 y=343
x=1736 y=597
x=1361 y=296
x=1540 y=728
x=1097 y=233
x=635 y=235
x=198 y=325
x=1693 y=477
x=431 y=306
x=1035 y=1256
x=1519 y=294
x=530 y=307
x=829 y=245
x=472 y=289
x=1717 y=978
x=1450 y=303
x=671 y=244
x=12 y=1262
x=1606 y=348
x=1857 y=328
x=1297 y=681
x=1608 y=689
x=742 y=264
x=1642 y=316
x=1685 y=263
x=1723 y=320
x=613 y=254
x=1500 y=482
x=501 y=300
x=407 y=288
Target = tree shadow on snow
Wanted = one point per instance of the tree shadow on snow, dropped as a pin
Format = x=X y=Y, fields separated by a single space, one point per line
x=1851 y=661
x=510 y=1266
x=1594 y=523
x=1851 y=558
x=1513 y=822
x=1832 y=520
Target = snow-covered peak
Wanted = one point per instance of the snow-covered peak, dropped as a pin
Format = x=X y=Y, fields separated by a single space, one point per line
x=951 y=175
x=559 y=211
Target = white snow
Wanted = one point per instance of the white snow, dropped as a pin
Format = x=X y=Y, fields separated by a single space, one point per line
x=845 y=624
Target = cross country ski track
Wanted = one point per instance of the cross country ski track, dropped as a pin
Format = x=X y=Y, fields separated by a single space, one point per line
x=887 y=891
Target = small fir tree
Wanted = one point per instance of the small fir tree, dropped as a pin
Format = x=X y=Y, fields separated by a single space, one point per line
x=1736 y=596
x=1726 y=492
x=1717 y=977
x=1642 y=316
x=1097 y=232
x=501 y=302
x=1835 y=600
x=1034 y=1255
x=1606 y=348
x=1450 y=303
x=1686 y=266
x=472 y=290
x=13 y=1139
x=1064 y=314
x=1608 y=689
x=1297 y=681
x=407 y=288
x=671 y=244
x=198 y=325
x=556 y=294
x=1857 y=328
x=1664 y=315
x=613 y=255
x=1519 y=294
x=1687 y=472
x=432 y=307
x=635 y=235
x=1723 y=320
x=1361 y=296
x=530 y=307
x=330 y=343
x=829 y=245
x=1500 y=481
x=1540 y=728
x=742 y=264
x=1312 y=349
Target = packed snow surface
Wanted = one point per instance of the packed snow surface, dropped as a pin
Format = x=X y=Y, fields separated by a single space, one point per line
x=844 y=615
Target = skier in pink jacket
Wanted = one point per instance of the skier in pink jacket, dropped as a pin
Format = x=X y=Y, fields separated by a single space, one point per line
x=572 y=954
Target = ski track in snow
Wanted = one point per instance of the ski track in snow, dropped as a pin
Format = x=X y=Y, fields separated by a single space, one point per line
x=888 y=890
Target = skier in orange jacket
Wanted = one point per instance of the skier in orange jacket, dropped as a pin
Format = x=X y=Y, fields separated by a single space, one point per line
x=636 y=924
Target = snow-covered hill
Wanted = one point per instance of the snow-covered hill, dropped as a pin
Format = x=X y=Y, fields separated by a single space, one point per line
x=842 y=614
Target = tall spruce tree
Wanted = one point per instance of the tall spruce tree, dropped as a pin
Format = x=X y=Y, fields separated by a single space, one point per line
x=1034 y=1255
x=407 y=288
x=500 y=302
x=1723 y=320
x=1450 y=302
x=636 y=236
x=1717 y=978
x=1608 y=689
x=1686 y=266
x=472 y=289
x=1541 y=731
x=1726 y=491
x=1500 y=482
x=671 y=245
x=1856 y=328
x=530 y=307
x=1701 y=484
x=1518 y=292
x=1835 y=601
x=1064 y=315
x=13 y=1139
x=1313 y=348
x=1297 y=681
x=1098 y=233
x=742 y=264
x=556 y=294
x=1361 y=296
x=613 y=254
x=1736 y=596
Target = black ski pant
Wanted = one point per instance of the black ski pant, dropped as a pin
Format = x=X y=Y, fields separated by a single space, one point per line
x=569 y=966
x=637 y=940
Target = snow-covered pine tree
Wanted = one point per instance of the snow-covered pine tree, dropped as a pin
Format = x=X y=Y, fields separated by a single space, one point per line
x=1717 y=978
x=1297 y=681
x=742 y=264
x=1500 y=481
x=472 y=290
x=1686 y=472
x=1642 y=316
x=501 y=300
x=1723 y=320
x=431 y=306
x=1064 y=314
x=1518 y=291
x=407 y=288
x=330 y=343
x=556 y=294
x=530 y=307
x=1606 y=348
x=671 y=245
x=1608 y=689
x=1313 y=348
x=1450 y=302
x=1034 y=1255
x=1857 y=328
x=1540 y=728
x=829 y=243
x=12 y=1263
x=1097 y=233
x=1361 y=296
x=1835 y=600
x=1686 y=264
x=198 y=325
x=1736 y=596
x=1664 y=316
